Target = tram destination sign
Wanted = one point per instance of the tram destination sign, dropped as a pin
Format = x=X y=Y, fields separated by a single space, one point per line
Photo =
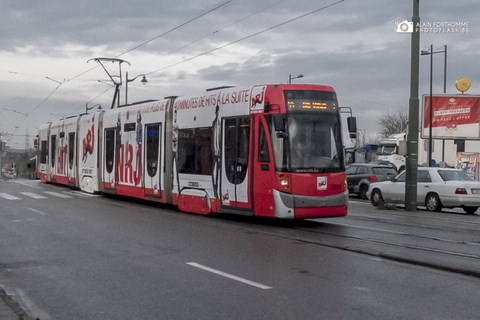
x=308 y=105
x=298 y=101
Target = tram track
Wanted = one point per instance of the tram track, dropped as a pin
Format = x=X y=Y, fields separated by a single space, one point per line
x=391 y=243
x=409 y=234
x=421 y=226
x=437 y=258
x=426 y=218
x=435 y=252
x=472 y=231
x=423 y=213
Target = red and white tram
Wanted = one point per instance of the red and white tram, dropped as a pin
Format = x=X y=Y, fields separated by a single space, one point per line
x=266 y=150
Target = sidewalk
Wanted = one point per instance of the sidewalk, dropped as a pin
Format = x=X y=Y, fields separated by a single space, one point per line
x=6 y=313
x=9 y=309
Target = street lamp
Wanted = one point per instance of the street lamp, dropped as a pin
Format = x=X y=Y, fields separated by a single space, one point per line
x=430 y=120
x=431 y=52
x=143 y=81
x=290 y=78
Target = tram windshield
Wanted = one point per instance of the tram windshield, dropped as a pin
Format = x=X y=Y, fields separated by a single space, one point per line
x=312 y=140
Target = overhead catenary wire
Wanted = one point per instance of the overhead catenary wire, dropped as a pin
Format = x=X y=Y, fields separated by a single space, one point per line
x=173 y=29
x=21 y=73
x=132 y=49
x=95 y=98
x=218 y=30
x=156 y=37
x=43 y=101
x=246 y=37
x=191 y=58
x=8 y=120
x=38 y=106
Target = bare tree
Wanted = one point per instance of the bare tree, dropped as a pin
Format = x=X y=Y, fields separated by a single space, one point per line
x=393 y=123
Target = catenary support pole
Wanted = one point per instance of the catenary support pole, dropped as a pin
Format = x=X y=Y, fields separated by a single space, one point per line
x=412 y=139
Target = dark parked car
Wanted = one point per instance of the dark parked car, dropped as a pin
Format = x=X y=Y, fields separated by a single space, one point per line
x=360 y=175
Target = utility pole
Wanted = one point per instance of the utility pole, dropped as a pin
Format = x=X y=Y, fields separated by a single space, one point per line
x=430 y=112
x=444 y=91
x=412 y=139
x=27 y=142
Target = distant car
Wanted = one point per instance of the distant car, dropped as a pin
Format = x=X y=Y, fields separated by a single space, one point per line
x=437 y=188
x=360 y=175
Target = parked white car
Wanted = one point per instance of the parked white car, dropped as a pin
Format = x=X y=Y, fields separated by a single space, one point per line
x=437 y=188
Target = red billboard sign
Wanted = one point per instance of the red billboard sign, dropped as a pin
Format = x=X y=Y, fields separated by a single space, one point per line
x=454 y=117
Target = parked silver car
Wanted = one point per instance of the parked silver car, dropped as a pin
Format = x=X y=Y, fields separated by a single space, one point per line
x=437 y=188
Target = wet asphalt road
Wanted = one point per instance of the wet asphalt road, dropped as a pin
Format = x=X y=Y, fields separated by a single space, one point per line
x=65 y=255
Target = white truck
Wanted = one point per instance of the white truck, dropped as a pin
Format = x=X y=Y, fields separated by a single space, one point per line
x=393 y=149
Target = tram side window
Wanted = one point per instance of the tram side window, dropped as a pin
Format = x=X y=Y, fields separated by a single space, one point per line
x=109 y=149
x=53 y=147
x=243 y=143
x=195 y=155
x=237 y=133
x=43 y=151
x=279 y=146
x=71 y=149
x=263 y=155
x=153 y=147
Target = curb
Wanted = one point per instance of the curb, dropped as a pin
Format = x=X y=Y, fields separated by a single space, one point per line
x=17 y=312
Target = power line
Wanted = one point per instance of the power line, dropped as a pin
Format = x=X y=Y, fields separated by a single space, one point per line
x=95 y=98
x=21 y=73
x=1 y=114
x=7 y=135
x=191 y=58
x=247 y=37
x=175 y=28
x=156 y=37
x=132 y=49
x=42 y=102
x=36 y=107
x=218 y=30
x=82 y=73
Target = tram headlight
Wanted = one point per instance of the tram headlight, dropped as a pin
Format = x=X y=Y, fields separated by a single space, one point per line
x=284 y=182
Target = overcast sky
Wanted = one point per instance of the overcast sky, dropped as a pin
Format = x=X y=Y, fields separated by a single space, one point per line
x=352 y=45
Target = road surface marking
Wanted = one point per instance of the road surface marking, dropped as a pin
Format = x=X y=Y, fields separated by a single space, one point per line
x=25 y=220
x=8 y=196
x=57 y=194
x=37 y=211
x=230 y=276
x=33 y=195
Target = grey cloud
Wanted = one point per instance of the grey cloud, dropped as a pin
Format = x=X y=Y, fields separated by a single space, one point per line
x=351 y=46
